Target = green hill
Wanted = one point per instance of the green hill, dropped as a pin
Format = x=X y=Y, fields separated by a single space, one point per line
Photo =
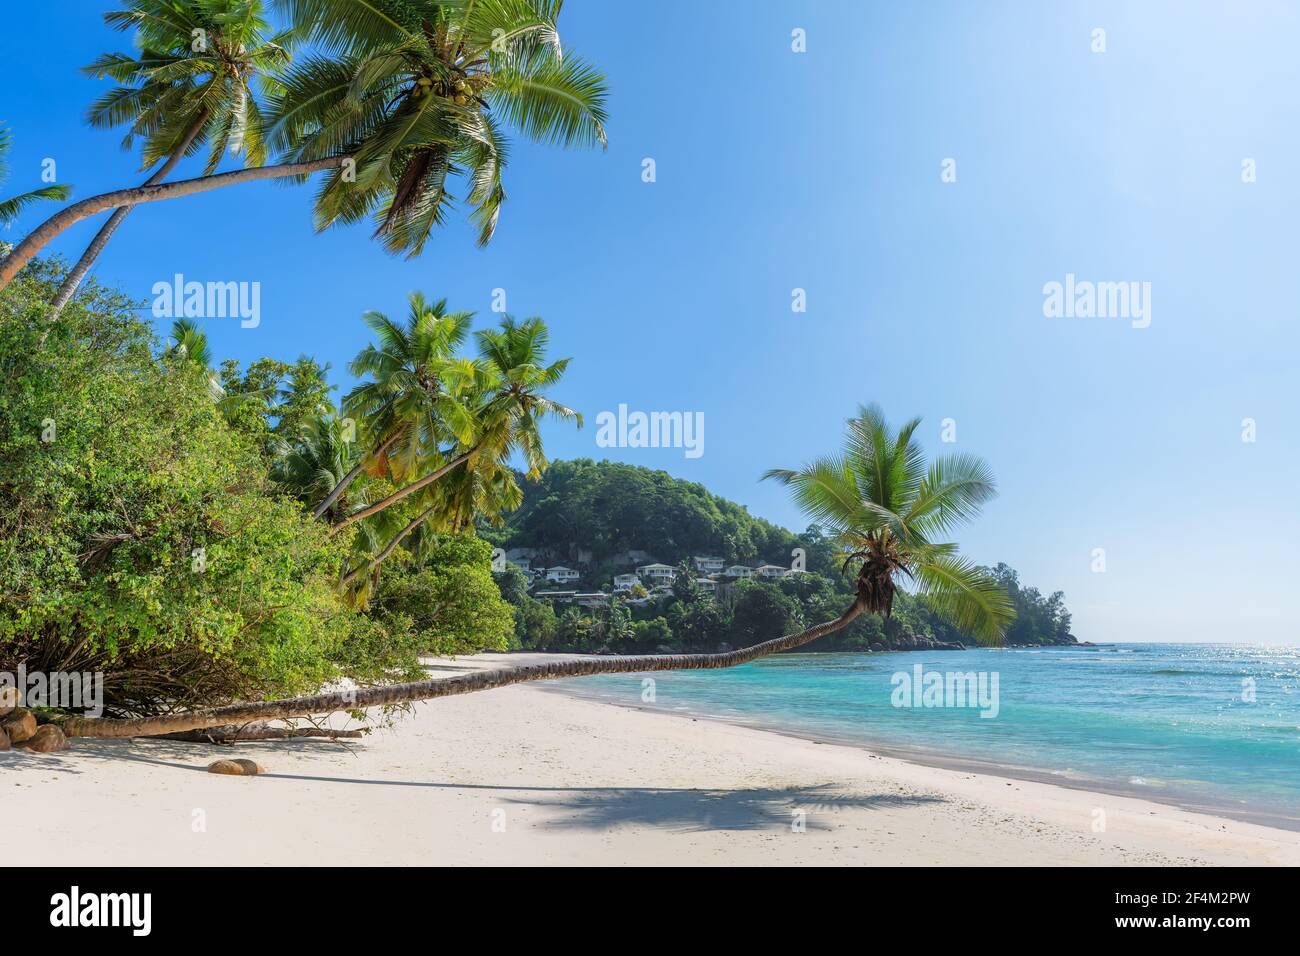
x=608 y=508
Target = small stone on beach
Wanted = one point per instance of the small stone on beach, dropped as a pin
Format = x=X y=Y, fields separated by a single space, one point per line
x=20 y=726
x=47 y=740
x=235 y=768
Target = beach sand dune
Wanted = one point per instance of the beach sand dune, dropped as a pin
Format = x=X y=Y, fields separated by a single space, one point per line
x=525 y=776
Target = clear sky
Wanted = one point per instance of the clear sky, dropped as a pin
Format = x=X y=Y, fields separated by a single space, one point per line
x=821 y=170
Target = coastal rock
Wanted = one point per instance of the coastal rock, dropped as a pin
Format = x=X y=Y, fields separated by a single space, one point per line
x=48 y=739
x=20 y=726
x=235 y=768
x=4 y=741
x=9 y=697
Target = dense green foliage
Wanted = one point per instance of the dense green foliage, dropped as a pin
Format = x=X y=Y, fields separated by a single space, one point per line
x=144 y=533
x=449 y=601
x=765 y=609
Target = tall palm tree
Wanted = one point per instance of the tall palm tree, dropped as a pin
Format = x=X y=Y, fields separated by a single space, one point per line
x=510 y=379
x=190 y=83
x=516 y=352
x=413 y=395
x=879 y=499
x=419 y=95
x=12 y=208
x=409 y=94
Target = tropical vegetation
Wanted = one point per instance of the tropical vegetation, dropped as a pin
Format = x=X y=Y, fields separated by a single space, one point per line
x=398 y=99
x=178 y=546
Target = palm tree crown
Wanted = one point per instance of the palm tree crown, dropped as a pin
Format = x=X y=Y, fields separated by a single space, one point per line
x=516 y=354
x=195 y=70
x=414 y=386
x=417 y=94
x=885 y=509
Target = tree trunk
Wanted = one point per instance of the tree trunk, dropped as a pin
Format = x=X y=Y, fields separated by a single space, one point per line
x=382 y=556
x=401 y=493
x=347 y=479
x=234 y=733
x=441 y=687
x=69 y=216
x=78 y=273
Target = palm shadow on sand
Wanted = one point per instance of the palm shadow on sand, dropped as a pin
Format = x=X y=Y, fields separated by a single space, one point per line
x=564 y=808
x=762 y=808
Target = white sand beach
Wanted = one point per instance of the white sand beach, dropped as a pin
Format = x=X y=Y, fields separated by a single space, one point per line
x=522 y=776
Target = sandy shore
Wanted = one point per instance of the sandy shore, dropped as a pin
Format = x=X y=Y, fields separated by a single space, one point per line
x=525 y=776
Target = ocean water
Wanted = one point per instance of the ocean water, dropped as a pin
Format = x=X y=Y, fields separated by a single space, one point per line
x=1212 y=727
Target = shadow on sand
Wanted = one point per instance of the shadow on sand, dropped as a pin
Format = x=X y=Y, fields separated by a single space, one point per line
x=566 y=808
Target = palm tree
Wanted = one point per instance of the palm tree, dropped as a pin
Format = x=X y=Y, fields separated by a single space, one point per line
x=190 y=344
x=409 y=94
x=313 y=461
x=510 y=379
x=883 y=509
x=190 y=83
x=12 y=208
x=485 y=489
x=420 y=94
x=413 y=398
x=880 y=501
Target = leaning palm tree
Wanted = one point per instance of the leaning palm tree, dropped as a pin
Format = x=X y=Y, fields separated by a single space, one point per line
x=878 y=499
x=884 y=509
x=190 y=83
x=12 y=208
x=408 y=95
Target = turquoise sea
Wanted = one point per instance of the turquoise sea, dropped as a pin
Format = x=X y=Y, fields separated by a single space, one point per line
x=1214 y=727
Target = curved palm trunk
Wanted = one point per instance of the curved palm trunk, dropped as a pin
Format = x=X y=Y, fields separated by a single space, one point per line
x=78 y=273
x=401 y=493
x=442 y=687
x=69 y=216
x=351 y=476
x=382 y=556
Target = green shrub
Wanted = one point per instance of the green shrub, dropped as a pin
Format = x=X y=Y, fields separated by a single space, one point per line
x=139 y=535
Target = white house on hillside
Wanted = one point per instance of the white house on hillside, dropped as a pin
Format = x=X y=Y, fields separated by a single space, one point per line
x=709 y=565
x=771 y=571
x=657 y=573
x=625 y=582
x=591 y=599
x=561 y=575
x=706 y=585
x=739 y=571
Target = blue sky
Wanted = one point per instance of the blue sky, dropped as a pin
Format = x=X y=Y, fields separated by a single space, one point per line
x=821 y=170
